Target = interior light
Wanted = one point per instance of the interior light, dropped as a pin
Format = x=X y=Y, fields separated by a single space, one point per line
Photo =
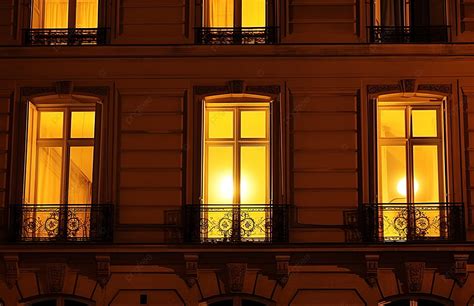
x=227 y=187
x=402 y=186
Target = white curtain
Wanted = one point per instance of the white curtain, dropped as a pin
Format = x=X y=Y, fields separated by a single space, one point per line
x=219 y=13
x=55 y=14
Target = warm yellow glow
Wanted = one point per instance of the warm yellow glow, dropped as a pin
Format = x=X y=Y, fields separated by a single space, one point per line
x=51 y=124
x=254 y=173
x=221 y=124
x=392 y=123
x=80 y=175
x=392 y=166
x=426 y=168
x=87 y=13
x=82 y=124
x=50 y=14
x=227 y=187
x=220 y=172
x=219 y=13
x=424 y=123
x=254 y=124
x=253 y=13
x=402 y=186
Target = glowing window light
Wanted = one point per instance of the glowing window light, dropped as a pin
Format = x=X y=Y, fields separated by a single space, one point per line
x=402 y=186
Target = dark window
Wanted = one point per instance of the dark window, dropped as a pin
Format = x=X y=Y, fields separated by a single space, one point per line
x=251 y=303
x=73 y=303
x=222 y=303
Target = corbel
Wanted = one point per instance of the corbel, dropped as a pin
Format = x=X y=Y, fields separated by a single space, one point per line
x=64 y=88
x=12 y=271
x=55 y=275
x=102 y=270
x=459 y=272
x=414 y=272
x=371 y=269
x=408 y=86
x=282 y=269
x=236 y=86
x=191 y=269
x=235 y=276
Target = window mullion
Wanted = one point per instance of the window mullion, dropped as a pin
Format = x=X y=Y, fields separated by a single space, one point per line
x=72 y=14
x=237 y=13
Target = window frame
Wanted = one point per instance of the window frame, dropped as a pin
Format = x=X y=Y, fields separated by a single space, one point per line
x=193 y=140
x=72 y=5
x=66 y=142
x=270 y=14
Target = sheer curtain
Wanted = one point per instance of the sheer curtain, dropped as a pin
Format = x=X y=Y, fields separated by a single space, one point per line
x=87 y=13
x=50 y=14
x=392 y=12
x=219 y=13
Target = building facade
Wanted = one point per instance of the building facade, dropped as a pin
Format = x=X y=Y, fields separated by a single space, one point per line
x=236 y=152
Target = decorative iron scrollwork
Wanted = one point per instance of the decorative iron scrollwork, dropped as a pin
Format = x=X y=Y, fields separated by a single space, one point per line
x=409 y=34
x=236 y=36
x=65 y=37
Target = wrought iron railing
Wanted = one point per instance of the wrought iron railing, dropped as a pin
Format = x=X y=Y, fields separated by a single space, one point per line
x=65 y=37
x=235 y=223
x=389 y=222
x=237 y=36
x=409 y=34
x=59 y=222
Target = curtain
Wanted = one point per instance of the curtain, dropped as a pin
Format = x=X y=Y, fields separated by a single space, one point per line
x=253 y=13
x=392 y=12
x=219 y=13
x=55 y=14
x=87 y=13
x=428 y=12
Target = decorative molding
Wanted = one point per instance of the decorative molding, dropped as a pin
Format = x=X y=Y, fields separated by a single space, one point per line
x=55 y=275
x=101 y=91
x=190 y=274
x=37 y=91
x=236 y=276
x=236 y=86
x=12 y=270
x=383 y=88
x=407 y=85
x=282 y=269
x=65 y=88
x=459 y=272
x=102 y=270
x=439 y=88
x=414 y=275
x=371 y=269
x=270 y=89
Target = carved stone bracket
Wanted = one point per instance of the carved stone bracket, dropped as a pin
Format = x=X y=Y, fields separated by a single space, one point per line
x=55 y=275
x=236 y=86
x=371 y=269
x=12 y=271
x=408 y=86
x=282 y=269
x=414 y=275
x=236 y=276
x=103 y=270
x=190 y=273
x=459 y=273
x=64 y=88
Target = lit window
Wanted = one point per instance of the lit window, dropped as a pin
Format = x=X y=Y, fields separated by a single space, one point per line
x=55 y=14
x=236 y=170
x=410 y=169
x=237 y=22
x=59 y=172
x=65 y=22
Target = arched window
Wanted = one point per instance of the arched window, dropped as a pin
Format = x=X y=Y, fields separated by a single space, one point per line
x=411 y=161
x=238 y=301
x=416 y=302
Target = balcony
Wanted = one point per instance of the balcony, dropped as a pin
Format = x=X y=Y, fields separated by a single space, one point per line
x=395 y=222
x=65 y=37
x=261 y=223
x=409 y=34
x=237 y=36
x=61 y=223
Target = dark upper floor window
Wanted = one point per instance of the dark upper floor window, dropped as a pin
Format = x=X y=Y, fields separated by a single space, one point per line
x=409 y=21
x=65 y=22
x=236 y=22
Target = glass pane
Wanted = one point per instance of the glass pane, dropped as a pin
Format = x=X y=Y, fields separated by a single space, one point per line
x=253 y=124
x=45 y=303
x=253 y=175
x=221 y=124
x=49 y=173
x=424 y=123
x=73 y=303
x=219 y=13
x=51 y=124
x=80 y=175
x=220 y=175
x=31 y=155
x=87 y=13
x=392 y=174
x=392 y=123
x=82 y=124
x=50 y=14
x=253 y=13
x=393 y=190
x=425 y=165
